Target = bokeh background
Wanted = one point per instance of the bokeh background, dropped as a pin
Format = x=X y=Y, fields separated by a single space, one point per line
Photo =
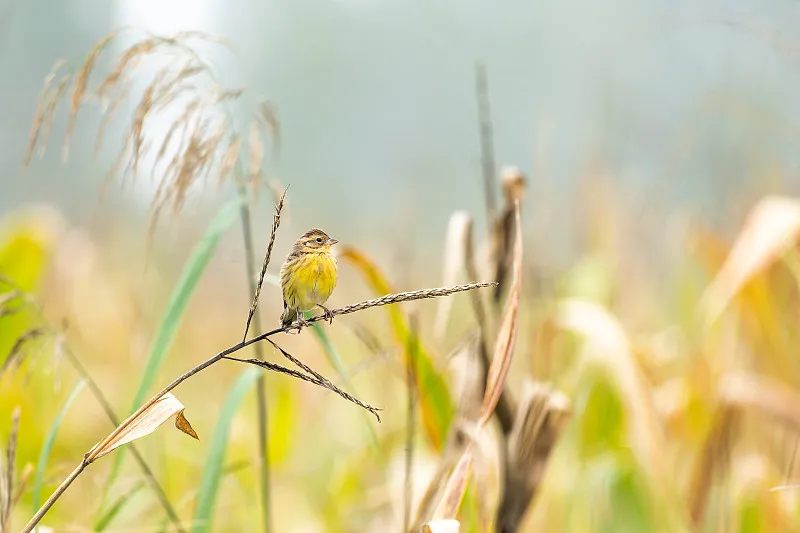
x=646 y=132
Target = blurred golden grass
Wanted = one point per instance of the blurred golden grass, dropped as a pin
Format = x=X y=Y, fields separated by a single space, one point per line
x=685 y=425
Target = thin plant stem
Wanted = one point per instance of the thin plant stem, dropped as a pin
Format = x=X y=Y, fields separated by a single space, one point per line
x=487 y=142
x=411 y=385
x=73 y=360
x=261 y=393
x=137 y=455
x=92 y=454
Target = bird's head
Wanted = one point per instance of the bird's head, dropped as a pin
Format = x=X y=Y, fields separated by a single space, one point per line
x=314 y=240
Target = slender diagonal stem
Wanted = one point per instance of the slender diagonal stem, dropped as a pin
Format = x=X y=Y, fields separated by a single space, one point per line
x=261 y=393
x=72 y=358
x=111 y=415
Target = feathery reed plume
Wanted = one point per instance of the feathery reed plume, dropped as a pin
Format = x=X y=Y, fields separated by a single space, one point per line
x=202 y=140
x=276 y=221
x=540 y=419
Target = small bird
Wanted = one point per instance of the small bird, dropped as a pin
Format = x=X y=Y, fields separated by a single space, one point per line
x=308 y=276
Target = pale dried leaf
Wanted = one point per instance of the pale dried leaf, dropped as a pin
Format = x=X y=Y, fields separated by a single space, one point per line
x=183 y=424
x=507 y=336
x=441 y=526
x=459 y=231
x=141 y=426
x=455 y=487
x=771 y=228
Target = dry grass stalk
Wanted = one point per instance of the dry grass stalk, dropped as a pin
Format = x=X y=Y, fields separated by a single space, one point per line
x=513 y=182
x=202 y=139
x=487 y=142
x=411 y=407
x=456 y=484
x=540 y=420
x=713 y=462
x=276 y=221
x=14 y=355
x=7 y=471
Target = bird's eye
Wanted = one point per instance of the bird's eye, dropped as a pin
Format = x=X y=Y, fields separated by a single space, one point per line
x=319 y=240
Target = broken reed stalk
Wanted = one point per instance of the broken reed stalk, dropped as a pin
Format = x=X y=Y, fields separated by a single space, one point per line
x=388 y=299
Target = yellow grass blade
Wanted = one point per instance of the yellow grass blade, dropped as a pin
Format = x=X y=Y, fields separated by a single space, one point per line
x=434 y=397
x=772 y=227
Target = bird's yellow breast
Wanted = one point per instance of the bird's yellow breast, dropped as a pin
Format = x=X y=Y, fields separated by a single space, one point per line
x=308 y=280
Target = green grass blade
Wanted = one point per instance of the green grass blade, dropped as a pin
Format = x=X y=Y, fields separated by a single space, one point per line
x=212 y=474
x=116 y=507
x=176 y=307
x=47 y=447
x=181 y=294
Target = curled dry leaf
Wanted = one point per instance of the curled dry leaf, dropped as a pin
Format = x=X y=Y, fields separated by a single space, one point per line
x=772 y=227
x=144 y=424
x=507 y=336
x=458 y=234
x=184 y=425
x=441 y=526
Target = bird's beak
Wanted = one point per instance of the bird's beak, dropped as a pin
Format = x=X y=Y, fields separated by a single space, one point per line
x=331 y=242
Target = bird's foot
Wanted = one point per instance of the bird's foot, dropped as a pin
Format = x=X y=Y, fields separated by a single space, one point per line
x=301 y=323
x=327 y=313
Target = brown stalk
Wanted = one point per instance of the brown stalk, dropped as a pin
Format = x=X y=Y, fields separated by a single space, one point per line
x=505 y=404
x=495 y=383
x=276 y=221
x=487 y=143
x=7 y=483
x=713 y=461
x=388 y=299
x=540 y=420
x=504 y=227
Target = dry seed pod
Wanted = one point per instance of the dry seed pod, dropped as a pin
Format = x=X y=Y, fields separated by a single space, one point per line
x=541 y=417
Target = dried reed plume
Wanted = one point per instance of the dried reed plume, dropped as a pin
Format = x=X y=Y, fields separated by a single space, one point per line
x=203 y=141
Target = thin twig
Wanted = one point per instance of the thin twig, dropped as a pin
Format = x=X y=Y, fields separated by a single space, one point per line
x=11 y=461
x=261 y=394
x=322 y=381
x=92 y=454
x=487 y=143
x=276 y=221
x=411 y=385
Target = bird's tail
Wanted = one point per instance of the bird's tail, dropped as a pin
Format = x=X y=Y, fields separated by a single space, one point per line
x=288 y=316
